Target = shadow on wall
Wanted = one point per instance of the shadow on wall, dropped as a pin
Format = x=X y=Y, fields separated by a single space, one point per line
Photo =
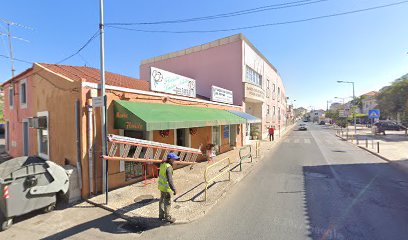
x=356 y=201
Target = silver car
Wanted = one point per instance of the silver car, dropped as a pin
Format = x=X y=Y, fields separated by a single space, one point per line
x=302 y=127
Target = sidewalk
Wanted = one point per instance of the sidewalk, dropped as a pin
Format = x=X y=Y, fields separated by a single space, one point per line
x=393 y=146
x=139 y=202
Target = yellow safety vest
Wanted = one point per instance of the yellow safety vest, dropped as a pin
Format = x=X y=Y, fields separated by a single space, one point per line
x=163 y=183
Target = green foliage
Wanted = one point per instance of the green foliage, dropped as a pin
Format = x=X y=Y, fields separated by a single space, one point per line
x=393 y=99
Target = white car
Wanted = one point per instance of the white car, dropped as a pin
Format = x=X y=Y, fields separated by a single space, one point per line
x=302 y=127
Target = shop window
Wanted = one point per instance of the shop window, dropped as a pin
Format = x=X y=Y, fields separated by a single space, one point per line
x=253 y=77
x=216 y=135
x=134 y=169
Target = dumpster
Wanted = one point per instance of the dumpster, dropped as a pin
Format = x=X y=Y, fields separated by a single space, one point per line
x=28 y=184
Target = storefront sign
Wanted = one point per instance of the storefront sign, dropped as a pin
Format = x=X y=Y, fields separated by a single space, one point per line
x=221 y=95
x=254 y=92
x=168 y=82
x=226 y=131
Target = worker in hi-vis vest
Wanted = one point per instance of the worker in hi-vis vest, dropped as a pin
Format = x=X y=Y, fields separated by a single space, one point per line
x=166 y=186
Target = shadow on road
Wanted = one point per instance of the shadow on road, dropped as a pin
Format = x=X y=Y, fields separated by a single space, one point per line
x=356 y=201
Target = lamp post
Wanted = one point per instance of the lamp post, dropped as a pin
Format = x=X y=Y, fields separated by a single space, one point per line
x=354 y=114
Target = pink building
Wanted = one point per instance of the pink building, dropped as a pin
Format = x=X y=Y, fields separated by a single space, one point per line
x=235 y=64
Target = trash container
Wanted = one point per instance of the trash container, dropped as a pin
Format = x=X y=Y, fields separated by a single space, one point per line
x=27 y=184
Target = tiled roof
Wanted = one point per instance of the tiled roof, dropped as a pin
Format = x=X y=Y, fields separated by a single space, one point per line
x=372 y=93
x=88 y=74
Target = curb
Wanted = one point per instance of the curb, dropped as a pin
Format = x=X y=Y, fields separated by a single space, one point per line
x=376 y=154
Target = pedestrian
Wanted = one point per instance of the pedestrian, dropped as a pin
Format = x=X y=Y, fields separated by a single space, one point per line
x=271 y=131
x=166 y=187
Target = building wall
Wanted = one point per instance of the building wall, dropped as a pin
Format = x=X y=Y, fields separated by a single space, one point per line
x=16 y=115
x=219 y=66
x=116 y=176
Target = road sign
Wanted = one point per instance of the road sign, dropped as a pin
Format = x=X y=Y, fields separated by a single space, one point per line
x=374 y=113
x=97 y=101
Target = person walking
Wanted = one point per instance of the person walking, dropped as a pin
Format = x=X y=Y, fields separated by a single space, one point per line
x=166 y=187
x=271 y=131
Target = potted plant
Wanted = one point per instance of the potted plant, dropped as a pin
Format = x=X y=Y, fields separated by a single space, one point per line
x=254 y=132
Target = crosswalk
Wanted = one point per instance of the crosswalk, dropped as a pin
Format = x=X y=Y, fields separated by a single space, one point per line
x=306 y=141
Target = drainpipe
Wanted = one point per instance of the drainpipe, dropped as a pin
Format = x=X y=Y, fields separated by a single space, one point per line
x=78 y=142
x=90 y=148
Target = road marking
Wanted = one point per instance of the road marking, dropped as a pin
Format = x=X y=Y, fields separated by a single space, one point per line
x=296 y=141
x=286 y=140
x=307 y=140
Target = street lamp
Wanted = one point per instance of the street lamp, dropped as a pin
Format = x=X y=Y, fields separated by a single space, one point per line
x=354 y=114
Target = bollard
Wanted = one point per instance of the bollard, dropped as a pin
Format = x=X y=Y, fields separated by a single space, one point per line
x=366 y=143
x=378 y=147
x=372 y=143
x=357 y=140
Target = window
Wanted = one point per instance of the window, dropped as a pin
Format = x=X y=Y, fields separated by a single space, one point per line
x=43 y=135
x=279 y=94
x=216 y=135
x=279 y=114
x=273 y=91
x=11 y=96
x=23 y=93
x=274 y=111
x=253 y=77
x=267 y=109
x=268 y=90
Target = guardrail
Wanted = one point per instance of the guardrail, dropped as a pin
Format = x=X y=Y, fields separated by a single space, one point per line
x=224 y=170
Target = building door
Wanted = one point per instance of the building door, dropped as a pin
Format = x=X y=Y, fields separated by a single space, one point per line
x=233 y=135
x=25 y=139
x=216 y=136
x=182 y=137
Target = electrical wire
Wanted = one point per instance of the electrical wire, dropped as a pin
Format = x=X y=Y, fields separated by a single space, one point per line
x=264 y=25
x=82 y=48
x=15 y=59
x=227 y=15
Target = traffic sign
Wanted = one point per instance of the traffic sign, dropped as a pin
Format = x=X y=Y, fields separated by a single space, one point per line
x=97 y=101
x=374 y=113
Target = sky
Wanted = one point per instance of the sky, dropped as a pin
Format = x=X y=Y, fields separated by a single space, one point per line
x=369 y=48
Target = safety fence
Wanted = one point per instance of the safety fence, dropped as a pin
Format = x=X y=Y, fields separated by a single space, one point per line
x=224 y=170
x=244 y=153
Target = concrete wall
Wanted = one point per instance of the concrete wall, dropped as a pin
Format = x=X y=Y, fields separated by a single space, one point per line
x=219 y=66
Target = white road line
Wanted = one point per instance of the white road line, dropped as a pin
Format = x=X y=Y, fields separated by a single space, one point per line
x=286 y=140
x=296 y=141
x=307 y=140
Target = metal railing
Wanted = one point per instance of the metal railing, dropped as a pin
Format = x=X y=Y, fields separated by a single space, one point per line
x=224 y=170
x=244 y=156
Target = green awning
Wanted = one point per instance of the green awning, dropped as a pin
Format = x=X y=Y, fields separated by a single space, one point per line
x=156 y=116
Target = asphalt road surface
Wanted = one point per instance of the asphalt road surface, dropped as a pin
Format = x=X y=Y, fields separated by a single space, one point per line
x=311 y=186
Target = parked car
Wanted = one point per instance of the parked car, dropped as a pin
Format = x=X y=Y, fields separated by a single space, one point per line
x=381 y=127
x=302 y=127
x=322 y=123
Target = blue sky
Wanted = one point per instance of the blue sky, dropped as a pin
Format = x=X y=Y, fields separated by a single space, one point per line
x=369 y=48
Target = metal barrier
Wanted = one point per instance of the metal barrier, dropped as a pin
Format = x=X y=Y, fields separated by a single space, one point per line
x=257 y=149
x=243 y=156
x=224 y=170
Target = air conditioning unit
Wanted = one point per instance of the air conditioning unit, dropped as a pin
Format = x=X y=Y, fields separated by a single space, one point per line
x=33 y=122
x=42 y=122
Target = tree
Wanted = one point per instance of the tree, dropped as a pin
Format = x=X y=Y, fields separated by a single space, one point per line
x=393 y=100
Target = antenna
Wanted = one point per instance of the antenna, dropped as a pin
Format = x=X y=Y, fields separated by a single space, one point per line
x=9 y=36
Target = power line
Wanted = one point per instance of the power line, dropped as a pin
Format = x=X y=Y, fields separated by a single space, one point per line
x=16 y=59
x=267 y=24
x=96 y=34
x=227 y=15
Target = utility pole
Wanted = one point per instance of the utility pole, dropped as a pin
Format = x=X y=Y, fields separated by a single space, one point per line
x=103 y=108
x=9 y=37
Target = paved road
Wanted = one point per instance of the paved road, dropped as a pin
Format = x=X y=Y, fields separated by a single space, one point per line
x=311 y=186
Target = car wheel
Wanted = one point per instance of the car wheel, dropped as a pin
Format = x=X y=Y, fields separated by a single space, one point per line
x=49 y=208
x=6 y=224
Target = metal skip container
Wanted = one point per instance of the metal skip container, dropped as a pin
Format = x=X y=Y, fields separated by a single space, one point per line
x=28 y=184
